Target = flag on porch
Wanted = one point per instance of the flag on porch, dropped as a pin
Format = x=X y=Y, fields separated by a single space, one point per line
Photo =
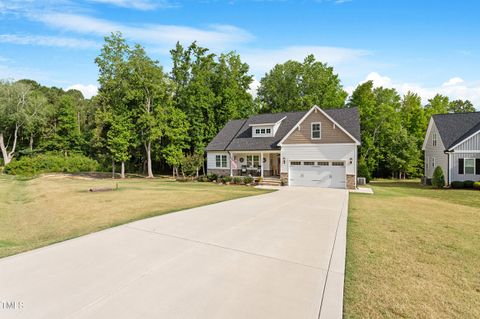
x=233 y=163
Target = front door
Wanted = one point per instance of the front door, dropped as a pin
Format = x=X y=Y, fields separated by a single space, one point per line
x=275 y=164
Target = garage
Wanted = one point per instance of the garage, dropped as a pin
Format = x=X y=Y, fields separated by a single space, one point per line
x=317 y=173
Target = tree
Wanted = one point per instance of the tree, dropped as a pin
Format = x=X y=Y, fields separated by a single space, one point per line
x=176 y=134
x=437 y=105
x=119 y=139
x=295 y=86
x=460 y=106
x=231 y=85
x=438 y=178
x=148 y=97
x=15 y=112
x=193 y=74
x=114 y=119
x=37 y=115
x=67 y=135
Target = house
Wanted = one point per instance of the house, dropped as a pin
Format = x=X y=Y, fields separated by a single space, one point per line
x=308 y=148
x=452 y=142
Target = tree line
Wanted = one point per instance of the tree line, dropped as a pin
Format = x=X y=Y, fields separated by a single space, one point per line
x=145 y=119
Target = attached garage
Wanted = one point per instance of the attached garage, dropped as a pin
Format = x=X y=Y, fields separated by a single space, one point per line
x=317 y=173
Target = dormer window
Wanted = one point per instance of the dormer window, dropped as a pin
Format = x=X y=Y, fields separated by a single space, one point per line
x=434 y=139
x=262 y=131
x=316 y=131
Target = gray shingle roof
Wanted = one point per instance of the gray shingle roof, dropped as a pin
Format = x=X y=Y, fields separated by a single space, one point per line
x=236 y=135
x=455 y=127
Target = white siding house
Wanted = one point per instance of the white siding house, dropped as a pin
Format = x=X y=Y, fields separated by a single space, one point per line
x=309 y=148
x=453 y=143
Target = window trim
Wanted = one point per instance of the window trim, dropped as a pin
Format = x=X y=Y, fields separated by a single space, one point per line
x=219 y=159
x=465 y=166
x=252 y=159
x=338 y=163
x=434 y=139
x=319 y=130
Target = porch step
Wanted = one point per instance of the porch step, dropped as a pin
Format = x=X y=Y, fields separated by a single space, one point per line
x=271 y=182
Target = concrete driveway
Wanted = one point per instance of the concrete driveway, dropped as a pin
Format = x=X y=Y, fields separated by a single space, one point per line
x=279 y=255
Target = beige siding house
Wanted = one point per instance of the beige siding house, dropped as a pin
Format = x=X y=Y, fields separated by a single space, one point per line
x=310 y=148
x=452 y=142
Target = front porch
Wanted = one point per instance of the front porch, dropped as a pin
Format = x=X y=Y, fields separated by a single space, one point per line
x=258 y=164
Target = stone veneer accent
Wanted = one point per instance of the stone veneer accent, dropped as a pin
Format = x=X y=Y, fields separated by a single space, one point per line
x=351 y=183
x=284 y=179
x=219 y=171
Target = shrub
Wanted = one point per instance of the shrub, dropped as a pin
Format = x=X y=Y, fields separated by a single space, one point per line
x=237 y=180
x=203 y=178
x=51 y=163
x=363 y=170
x=226 y=179
x=457 y=184
x=468 y=184
x=476 y=185
x=248 y=179
x=212 y=177
x=438 y=179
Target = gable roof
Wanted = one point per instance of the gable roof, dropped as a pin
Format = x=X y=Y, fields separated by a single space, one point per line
x=456 y=127
x=237 y=134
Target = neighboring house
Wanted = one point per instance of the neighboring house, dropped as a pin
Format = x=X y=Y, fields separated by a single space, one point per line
x=452 y=142
x=309 y=148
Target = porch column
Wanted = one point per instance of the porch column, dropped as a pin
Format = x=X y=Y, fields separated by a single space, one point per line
x=231 y=162
x=261 y=164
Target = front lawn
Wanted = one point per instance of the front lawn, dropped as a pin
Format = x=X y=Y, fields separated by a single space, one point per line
x=413 y=252
x=49 y=209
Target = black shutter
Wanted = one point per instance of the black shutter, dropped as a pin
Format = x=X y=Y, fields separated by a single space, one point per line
x=477 y=166
x=460 y=166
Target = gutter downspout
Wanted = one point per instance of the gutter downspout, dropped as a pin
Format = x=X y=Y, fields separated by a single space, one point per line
x=449 y=165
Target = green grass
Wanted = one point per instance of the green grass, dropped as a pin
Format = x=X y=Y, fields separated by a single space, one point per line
x=53 y=208
x=413 y=252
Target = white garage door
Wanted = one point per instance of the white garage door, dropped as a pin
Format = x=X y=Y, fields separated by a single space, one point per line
x=317 y=173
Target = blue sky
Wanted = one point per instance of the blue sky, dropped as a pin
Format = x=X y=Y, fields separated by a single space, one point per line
x=423 y=46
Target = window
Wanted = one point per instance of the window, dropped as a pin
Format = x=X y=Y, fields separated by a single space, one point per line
x=469 y=166
x=257 y=131
x=322 y=163
x=434 y=139
x=316 y=131
x=269 y=131
x=337 y=164
x=433 y=162
x=253 y=161
x=295 y=163
x=221 y=161
x=309 y=163
x=262 y=131
x=426 y=162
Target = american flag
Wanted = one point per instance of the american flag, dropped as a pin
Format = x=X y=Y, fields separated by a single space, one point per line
x=233 y=163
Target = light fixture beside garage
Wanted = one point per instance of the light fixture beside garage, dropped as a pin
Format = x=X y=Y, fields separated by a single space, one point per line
x=351 y=161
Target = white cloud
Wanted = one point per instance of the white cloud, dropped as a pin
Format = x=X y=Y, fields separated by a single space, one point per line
x=454 y=88
x=47 y=41
x=262 y=60
x=453 y=81
x=137 y=4
x=215 y=36
x=88 y=90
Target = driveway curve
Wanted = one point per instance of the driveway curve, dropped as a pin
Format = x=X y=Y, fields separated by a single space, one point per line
x=278 y=255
